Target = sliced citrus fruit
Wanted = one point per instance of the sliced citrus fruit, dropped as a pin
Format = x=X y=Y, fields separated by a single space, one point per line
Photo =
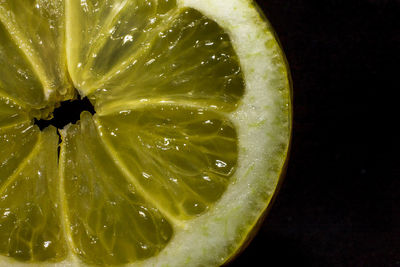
x=186 y=147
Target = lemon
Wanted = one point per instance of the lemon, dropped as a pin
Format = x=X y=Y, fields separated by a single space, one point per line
x=186 y=147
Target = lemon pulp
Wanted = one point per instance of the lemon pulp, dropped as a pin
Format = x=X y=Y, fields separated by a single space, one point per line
x=164 y=148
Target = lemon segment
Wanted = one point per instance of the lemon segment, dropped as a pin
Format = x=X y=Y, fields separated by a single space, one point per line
x=19 y=81
x=184 y=158
x=29 y=200
x=192 y=59
x=105 y=36
x=106 y=217
x=37 y=29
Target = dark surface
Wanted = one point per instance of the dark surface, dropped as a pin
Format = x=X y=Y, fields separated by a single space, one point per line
x=339 y=203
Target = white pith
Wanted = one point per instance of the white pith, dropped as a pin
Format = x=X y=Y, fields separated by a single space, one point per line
x=263 y=126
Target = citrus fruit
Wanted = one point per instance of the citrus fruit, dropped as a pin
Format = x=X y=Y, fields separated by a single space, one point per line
x=183 y=153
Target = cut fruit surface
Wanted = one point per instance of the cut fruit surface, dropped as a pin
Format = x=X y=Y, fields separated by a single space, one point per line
x=181 y=157
x=181 y=56
x=184 y=153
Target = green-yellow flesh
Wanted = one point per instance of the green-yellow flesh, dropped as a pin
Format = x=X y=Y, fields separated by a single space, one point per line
x=107 y=218
x=160 y=151
x=19 y=81
x=30 y=222
x=159 y=140
x=37 y=28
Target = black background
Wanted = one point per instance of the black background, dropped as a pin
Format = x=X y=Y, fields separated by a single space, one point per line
x=339 y=203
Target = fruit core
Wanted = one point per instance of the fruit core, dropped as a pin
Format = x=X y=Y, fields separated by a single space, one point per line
x=66 y=112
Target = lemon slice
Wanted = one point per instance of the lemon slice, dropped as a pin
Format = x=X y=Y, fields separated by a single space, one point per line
x=186 y=147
